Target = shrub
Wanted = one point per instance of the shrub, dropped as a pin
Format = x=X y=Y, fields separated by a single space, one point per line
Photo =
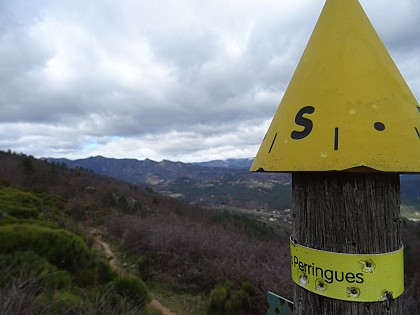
x=237 y=301
x=20 y=212
x=124 y=295
x=198 y=252
x=227 y=298
x=97 y=271
x=19 y=204
x=147 y=265
x=61 y=248
x=28 y=266
x=16 y=298
x=132 y=288
x=104 y=271
x=61 y=302
x=218 y=297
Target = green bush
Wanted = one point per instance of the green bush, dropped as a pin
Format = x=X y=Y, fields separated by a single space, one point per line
x=227 y=298
x=237 y=301
x=19 y=204
x=147 y=265
x=7 y=219
x=52 y=202
x=97 y=271
x=218 y=296
x=103 y=270
x=61 y=248
x=24 y=205
x=28 y=266
x=20 y=212
x=62 y=302
x=132 y=288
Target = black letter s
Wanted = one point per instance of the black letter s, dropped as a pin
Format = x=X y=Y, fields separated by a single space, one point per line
x=302 y=121
x=359 y=276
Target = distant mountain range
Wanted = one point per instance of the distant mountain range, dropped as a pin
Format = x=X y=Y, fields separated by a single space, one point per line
x=229 y=163
x=226 y=183
x=149 y=172
x=219 y=183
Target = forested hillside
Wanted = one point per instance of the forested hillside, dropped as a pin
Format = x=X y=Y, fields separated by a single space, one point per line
x=221 y=184
x=48 y=260
x=210 y=185
x=194 y=260
x=226 y=261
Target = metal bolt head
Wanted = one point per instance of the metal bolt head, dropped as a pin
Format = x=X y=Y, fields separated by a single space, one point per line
x=303 y=280
x=320 y=285
x=367 y=266
x=353 y=292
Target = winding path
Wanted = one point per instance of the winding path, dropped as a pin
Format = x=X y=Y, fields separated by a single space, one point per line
x=115 y=264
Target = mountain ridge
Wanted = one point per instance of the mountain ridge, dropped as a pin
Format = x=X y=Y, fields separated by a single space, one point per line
x=229 y=184
x=219 y=183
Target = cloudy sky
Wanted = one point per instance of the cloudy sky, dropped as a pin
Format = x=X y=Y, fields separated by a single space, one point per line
x=185 y=80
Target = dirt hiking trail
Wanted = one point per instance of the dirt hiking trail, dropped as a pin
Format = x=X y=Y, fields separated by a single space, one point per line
x=116 y=266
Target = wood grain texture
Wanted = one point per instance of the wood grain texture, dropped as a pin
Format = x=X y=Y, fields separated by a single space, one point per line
x=355 y=213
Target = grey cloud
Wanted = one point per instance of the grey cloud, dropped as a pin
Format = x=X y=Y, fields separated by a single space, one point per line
x=397 y=23
x=160 y=78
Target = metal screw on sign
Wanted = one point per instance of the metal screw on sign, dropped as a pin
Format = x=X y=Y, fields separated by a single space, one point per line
x=303 y=280
x=320 y=285
x=388 y=298
x=353 y=292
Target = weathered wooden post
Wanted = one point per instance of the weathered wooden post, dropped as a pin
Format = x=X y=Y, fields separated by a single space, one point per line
x=346 y=127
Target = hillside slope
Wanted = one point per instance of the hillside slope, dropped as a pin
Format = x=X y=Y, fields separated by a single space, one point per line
x=48 y=262
x=202 y=185
x=226 y=184
x=192 y=252
x=219 y=261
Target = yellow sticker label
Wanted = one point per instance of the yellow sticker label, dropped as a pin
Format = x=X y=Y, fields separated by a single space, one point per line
x=349 y=277
x=346 y=107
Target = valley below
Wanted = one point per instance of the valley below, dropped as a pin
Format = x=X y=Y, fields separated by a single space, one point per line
x=226 y=185
x=150 y=238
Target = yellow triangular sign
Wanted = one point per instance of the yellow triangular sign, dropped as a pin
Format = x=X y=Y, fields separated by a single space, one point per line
x=347 y=107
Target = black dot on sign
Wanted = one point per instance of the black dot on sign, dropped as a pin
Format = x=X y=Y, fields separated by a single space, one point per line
x=379 y=126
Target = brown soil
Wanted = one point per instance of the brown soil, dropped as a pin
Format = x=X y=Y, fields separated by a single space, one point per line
x=158 y=306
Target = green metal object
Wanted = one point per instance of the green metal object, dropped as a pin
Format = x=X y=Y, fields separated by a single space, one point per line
x=279 y=305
